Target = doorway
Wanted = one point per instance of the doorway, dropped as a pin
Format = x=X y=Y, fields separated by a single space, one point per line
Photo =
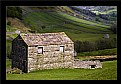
x=93 y=66
x=24 y=66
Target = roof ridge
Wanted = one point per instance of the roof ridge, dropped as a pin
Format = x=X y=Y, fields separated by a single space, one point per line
x=43 y=33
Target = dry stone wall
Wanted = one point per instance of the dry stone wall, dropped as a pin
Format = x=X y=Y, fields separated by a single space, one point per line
x=19 y=54
x=51 y=58
x=87 y=64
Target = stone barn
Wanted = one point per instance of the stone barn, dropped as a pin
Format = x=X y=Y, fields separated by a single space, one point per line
x=42 y=51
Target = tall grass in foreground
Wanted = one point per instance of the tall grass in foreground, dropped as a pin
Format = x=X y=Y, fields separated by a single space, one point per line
x=108 y=72
x=8 y=63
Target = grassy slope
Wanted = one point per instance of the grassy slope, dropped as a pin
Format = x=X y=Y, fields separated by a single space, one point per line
x=58 y=18
x=76 y=28
x=8 y=63
x=108 y=72
x=97 y=19
x=15 y=24
x=105 y=52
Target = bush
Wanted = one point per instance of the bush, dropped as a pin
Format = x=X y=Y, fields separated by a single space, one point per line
x=106 y=43
x=32 y=31
x=87 y=46
x=77 y=46
x=113 y=28
x=84 y=46
x=101 y=44
x=97 y=19
x=43 y=27
x=9 y=23
x=8 y=49
x=14 y=12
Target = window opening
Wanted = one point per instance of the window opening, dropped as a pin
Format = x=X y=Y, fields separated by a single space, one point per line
x=62 y=48
x=40 y=50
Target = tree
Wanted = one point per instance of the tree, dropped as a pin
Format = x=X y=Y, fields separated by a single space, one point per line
x=77 y=46
x=9 y=23
x=113 y=28
x=43 y=27
x=8 y=49
x=106 y=43
x=84 y=46
x=14 y=12
x=97 y=19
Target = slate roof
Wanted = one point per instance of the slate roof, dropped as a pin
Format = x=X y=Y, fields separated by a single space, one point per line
x=45 y=38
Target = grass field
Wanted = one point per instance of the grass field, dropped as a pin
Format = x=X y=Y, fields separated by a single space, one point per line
x=108 y=72
x=75 y=28
x=8 y=63
x=56 y=21
x=112 y=51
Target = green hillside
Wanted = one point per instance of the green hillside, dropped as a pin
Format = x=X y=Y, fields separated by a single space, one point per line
x=58 y=21
x=97 y=14
x=49 y=19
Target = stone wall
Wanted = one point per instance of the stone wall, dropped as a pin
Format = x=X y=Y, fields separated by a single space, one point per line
x=19 y=54
x=87 y=64
x=51 y=57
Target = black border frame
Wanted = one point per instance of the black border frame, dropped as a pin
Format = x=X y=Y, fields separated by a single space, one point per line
x=5 y=3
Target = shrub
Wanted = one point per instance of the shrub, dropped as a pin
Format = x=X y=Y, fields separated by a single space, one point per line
x=43 y=27
x=101 y=44
x=87 y=46
x=14 y=12
x=8 y=49
x=32 y=31
x=84 y=46
x=113 y=28
x=106 y=43
x=9 y=23
x=77 y=46
x=97 y=19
